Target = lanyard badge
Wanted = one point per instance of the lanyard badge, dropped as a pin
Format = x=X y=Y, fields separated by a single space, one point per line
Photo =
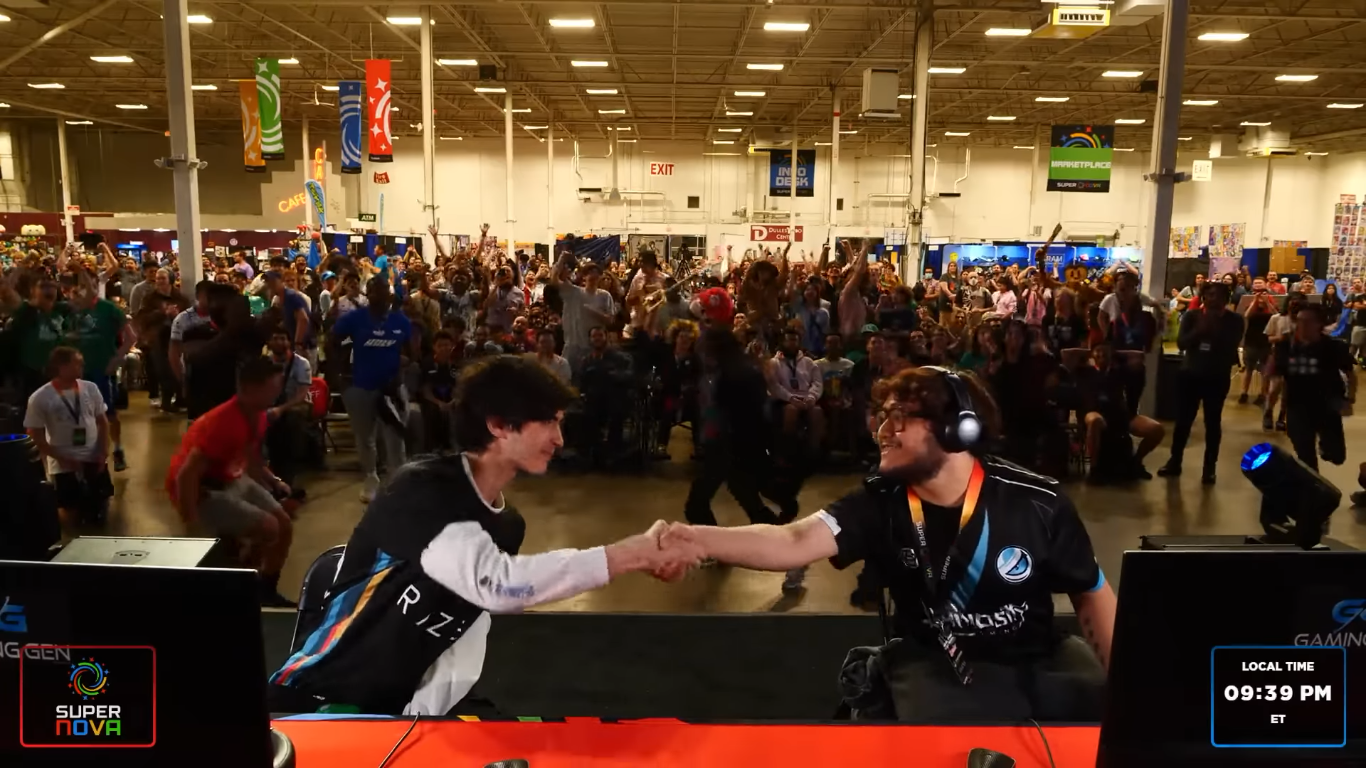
x=934 y=578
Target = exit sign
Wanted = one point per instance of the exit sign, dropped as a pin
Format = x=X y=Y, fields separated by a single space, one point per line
x=661 y=169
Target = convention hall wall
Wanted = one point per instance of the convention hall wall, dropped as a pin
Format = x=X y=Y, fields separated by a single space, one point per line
x=1280 y=199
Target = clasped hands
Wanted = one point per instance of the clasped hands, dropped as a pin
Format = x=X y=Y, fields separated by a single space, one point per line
x=670 y=550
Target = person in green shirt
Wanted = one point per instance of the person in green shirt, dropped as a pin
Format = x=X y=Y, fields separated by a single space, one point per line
x=100 y=330
x=37 y=326
x=258 y=304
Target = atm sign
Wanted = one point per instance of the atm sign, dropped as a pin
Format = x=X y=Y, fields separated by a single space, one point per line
x=661 y=169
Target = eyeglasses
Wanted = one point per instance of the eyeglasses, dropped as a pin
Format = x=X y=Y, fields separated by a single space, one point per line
x=894 y=418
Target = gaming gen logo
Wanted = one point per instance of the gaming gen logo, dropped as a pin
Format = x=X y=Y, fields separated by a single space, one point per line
x=12 y=618
x=1346 y=613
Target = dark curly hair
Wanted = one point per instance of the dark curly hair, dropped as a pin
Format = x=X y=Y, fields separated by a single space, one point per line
x=507 y=389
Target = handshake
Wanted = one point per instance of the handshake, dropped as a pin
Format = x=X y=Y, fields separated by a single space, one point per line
x=667 y=551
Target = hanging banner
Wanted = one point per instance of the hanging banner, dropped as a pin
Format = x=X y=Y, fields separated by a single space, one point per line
x=352 y=123
x=315 y=196
x=377 y=84
x=1079 y=158
x=780 y=172
x=268 y=94
x=251 y=128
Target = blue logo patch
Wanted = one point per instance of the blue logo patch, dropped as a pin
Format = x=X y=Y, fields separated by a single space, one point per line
x=1014 y=565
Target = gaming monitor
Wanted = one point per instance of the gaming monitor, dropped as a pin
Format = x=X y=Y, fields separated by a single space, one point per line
x=1246 y=658
x=121 y=665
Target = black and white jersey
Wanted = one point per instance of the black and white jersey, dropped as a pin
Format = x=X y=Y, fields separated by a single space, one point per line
x=1024 y=543
x=407 y=618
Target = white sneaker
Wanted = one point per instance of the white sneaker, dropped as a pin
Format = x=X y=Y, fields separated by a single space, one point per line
x=367 y=493
x=794 y=580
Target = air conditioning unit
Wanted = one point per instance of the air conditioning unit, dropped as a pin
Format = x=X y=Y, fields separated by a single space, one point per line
x=880 y=90
x=1069 y=22
x=1267 y=141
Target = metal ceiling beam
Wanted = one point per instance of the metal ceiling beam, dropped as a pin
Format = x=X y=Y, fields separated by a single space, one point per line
x=862 y=57
x=548 y=47
x=56 y=32
x=80 y=116
x=733 y=58
x=612 y=57
x=415 y=46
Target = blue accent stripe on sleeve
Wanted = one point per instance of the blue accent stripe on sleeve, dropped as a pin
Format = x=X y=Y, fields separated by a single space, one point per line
x=1100 y=580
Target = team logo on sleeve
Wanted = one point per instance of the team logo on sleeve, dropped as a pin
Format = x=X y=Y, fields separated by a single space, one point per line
x=1014 y=564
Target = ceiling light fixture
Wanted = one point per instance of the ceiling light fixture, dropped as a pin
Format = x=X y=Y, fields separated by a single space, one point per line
x=906 y=96
x=752 y=94
x=404 y=21
x=1200 y=102
x=601 y=91
x=1000 y=118
x=1007 y=32
x=947 y=70
x=1052 y=99
x=3 y=105
x=765 y=67
x=1021 y=146
x=957 y=133
x=112 y=59
x=3 y=17
x=622 y=141
x=1184 y=138
x=1130 y=121
x=729 y=130
x=1254 y=124
x=131 y=106
x=1295 y=78
x=290 y=60
x=732 y=113
x=452 y=138
x=1124 y=149
x=588 y=63
x=822 y=143
x=573 y=23
x=849 y=133
x=393 y=109
x=786 y=26
x=722 y=141
x=458 y=62
x=1222 y=37
x=1315 y=154
x=1122 y=73
x=331 y=87
x=720 y=154
x=198 y=18
x=490 y=89
x=535 y=127
x=79 y=122
x=611 y=111
x=204 y=87
x=46 y=86
x=1341 y=105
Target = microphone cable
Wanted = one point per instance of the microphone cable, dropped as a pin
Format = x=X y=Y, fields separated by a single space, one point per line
x=1042 y=735
x=404 y=737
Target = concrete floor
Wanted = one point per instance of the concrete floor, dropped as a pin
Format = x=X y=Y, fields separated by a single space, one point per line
x=582 y=511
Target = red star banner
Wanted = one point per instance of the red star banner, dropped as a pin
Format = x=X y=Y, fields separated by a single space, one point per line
x=377 y=86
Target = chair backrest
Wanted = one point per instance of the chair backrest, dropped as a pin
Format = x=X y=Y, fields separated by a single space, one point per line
x=319 y=398
x=312 y=595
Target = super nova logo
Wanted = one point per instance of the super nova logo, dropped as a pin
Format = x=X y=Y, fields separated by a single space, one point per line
x=1347 y=613
x=87 y=679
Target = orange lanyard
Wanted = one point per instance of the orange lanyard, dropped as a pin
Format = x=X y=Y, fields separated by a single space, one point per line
x=970 y=500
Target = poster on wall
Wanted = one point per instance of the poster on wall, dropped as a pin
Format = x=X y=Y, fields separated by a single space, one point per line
x=378 y=86
x=251 y=127
x=1289 y=243
x=1226 y=241
x=1346 y=259
x=1185 y=242
x=268 y=96
x=1079 y=158
x=350 y=98
x=780 y=172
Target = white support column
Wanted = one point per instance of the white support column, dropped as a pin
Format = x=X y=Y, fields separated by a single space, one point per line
x=307 y=163
x=428 y=132
x=1166 y=129
x=792 y=190
x=507 y=139
x=915 y=233
x=550 y=184
x=834 y=167
x=180 y=106
x=68 y=222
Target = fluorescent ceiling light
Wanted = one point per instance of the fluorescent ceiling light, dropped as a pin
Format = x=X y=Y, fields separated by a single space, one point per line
x=755 y=94
x=1021 y=146
x=131 y=106
x=1257 y=125
x=265 y=230
x=1223 y=37
x=331 y=87
x=1200 y=102
x=112 y=59
x=722 y=141
x=290 y=60
x=731 y=113
x=947 y=70
x=766 y=67
x=1315 y=154
x=786 y=26
x=849 y=133
x=1184 y=138
x=1007 y=32
x=623 y=128
x=1295 y=78
x=572 y=23
x=1122 y=73
x=404 y=21
x=198 y=18
x=490 y=89
x=227 y=230
x=521 y=111
x=720 y=154
x=1052 y=99
x=1130 y=121
x=163 y=229
x=535 y=127
x=588 y=63
x=729 y=130
x=1000 y=118
x=822 y=143
x=121 y=229
x=3 y=105
x=204 y=87
x=458 y=62
x=3 y=17
x=1124 y=149
x=611 y=111
x=622 y=141
x=1341 y=105
x=452 y=138
x=46 y=86
x=957 y=133
x=395 y=109
x=906 y=96
x=601 y=91
x=79 y=122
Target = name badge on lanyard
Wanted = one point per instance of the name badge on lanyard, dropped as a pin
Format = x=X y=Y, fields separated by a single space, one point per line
x=78 y=433
x=934 y=579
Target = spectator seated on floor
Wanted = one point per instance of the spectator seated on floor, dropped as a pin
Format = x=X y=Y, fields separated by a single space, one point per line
x=606 y=382
x=794 y=384
x=837 y=397
x=437 y=392
x=289 y=416
x=1104 y=413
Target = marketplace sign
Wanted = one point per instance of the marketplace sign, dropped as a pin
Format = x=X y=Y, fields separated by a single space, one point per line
x=1079 y=158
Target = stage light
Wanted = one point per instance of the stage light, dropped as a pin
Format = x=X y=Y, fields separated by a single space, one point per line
x=1296 y=500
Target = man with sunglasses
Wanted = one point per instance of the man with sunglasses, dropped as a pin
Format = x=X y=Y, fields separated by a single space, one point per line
x=972 y=550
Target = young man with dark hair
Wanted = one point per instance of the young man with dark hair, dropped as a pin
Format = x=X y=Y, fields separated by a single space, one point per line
x=439 y=376
x=407 y=619
x=1315 y=367
x=972 y=550
x=104 y=337
x=219 y=479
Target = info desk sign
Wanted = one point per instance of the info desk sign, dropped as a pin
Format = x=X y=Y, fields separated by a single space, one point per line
x=1278 y=696
x=1079 y=158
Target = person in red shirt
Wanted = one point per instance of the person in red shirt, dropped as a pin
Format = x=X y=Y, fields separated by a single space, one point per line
x=219 y=480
